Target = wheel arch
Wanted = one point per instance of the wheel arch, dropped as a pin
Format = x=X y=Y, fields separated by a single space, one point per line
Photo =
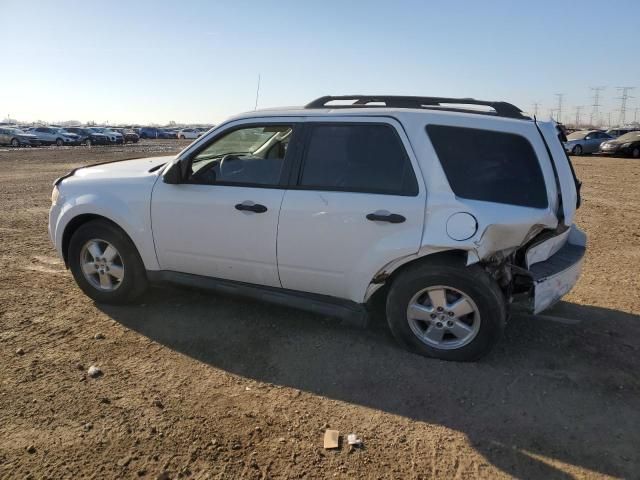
x=76 y=222
x=380 y=283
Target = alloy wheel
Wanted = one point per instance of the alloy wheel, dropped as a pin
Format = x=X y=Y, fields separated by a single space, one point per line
x=101 y=265
x=443 y=317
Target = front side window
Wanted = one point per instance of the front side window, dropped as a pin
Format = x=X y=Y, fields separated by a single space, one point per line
x=245 y=156
x=489 y=166
x=358 y=158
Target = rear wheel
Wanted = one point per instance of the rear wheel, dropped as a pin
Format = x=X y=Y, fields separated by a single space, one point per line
x=105 y=263
x=577 y=150
x=15 y=142
x=88 y=142
x=635 y=153
x=59 y=142
x=446 y=311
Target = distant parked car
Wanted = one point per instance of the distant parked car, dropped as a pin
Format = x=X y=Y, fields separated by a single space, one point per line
x=585 y=141
x=149 y=132
x=188 y=133
x=55 y=135
x=168 y=133
x=617 y=132
x=627 y=145
x=128 y=135
x=88 y=137
x=17 y=138
x=112 y=136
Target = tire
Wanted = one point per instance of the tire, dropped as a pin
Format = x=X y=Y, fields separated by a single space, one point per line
x=133 y=280
x=144 y=136
x=88 y=142
x=635 y=153
x=483 y=326
x=181 y=137
x=59 y=142
x=577 y=150
x=15 y=142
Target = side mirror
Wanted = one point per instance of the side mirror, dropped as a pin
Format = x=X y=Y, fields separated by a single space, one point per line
x=173 y=176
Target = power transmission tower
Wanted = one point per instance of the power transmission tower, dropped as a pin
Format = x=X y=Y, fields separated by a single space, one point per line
x=624 y=97
x=559 y=109
x=578 y=115
x=536 y=108
x=595 y=106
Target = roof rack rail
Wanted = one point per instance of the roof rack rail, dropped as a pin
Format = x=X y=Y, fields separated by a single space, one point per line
x=502 y=109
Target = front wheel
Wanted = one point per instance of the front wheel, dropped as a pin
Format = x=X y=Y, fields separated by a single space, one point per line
x=447 y=311
x=88 y=142
x=15 y=142
x=577 y=150
x=59 y=142
x=635 y=153
x=105 y=263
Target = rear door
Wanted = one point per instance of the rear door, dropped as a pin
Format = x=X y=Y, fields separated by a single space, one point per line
x=357 y=203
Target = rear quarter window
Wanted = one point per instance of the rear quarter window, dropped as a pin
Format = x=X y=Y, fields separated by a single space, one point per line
x=489 y=166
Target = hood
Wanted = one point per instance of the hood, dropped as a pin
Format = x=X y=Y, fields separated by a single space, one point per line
x=120 y=169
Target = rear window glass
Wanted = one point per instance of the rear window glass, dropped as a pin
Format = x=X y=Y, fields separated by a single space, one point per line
x=489 y=166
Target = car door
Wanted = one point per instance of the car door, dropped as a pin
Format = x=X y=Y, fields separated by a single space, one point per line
x=358 y=203
x=592 y=142
x=3 y=137
x=221 y=220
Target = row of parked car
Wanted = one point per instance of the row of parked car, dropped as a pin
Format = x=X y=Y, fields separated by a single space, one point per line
x=56 y=135
x=618 y=141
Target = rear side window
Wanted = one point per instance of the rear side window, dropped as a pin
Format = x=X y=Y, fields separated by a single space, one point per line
x=357 y=158
x=490 y=166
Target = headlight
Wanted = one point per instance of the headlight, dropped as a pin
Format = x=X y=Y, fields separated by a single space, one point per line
x=54 y=195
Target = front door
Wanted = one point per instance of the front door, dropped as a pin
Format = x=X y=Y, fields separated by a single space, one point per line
x=357 y=205
x=221 y=220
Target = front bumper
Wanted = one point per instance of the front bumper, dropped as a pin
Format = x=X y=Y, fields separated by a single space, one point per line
x=556 y=276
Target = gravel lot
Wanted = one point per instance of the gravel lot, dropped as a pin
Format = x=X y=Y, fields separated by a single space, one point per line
x=197 y=385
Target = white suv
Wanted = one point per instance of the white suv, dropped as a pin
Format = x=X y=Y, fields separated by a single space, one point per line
x=452 y=211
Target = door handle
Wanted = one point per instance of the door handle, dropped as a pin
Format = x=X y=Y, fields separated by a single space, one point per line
x=256 y=207
x=386 y=217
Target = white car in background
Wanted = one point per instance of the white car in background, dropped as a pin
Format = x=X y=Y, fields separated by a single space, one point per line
x=188 y=134
x=448 y=216
x=55 y=136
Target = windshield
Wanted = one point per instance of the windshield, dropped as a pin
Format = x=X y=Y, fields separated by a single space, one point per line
x=577 y=135
x=630 y=137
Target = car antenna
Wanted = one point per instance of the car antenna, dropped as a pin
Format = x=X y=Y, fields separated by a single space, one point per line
x=255 y=107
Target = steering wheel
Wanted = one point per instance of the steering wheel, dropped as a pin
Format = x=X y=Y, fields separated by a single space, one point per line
x=226 y=160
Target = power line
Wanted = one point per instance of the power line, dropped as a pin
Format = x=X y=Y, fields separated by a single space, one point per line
x=595 y=106
x=624 y=97
x=559 y=109
x=536 y=108
x=578 y=115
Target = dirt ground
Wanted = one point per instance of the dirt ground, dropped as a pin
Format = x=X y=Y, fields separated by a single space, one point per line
x=198 y=385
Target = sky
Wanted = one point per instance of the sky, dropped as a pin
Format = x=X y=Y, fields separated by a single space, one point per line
x=199 y=61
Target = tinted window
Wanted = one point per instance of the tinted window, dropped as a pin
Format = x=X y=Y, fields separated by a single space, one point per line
x=491 y=166
x=360 y=158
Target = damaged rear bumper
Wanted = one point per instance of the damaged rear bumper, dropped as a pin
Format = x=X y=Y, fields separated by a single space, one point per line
x=555 y=277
